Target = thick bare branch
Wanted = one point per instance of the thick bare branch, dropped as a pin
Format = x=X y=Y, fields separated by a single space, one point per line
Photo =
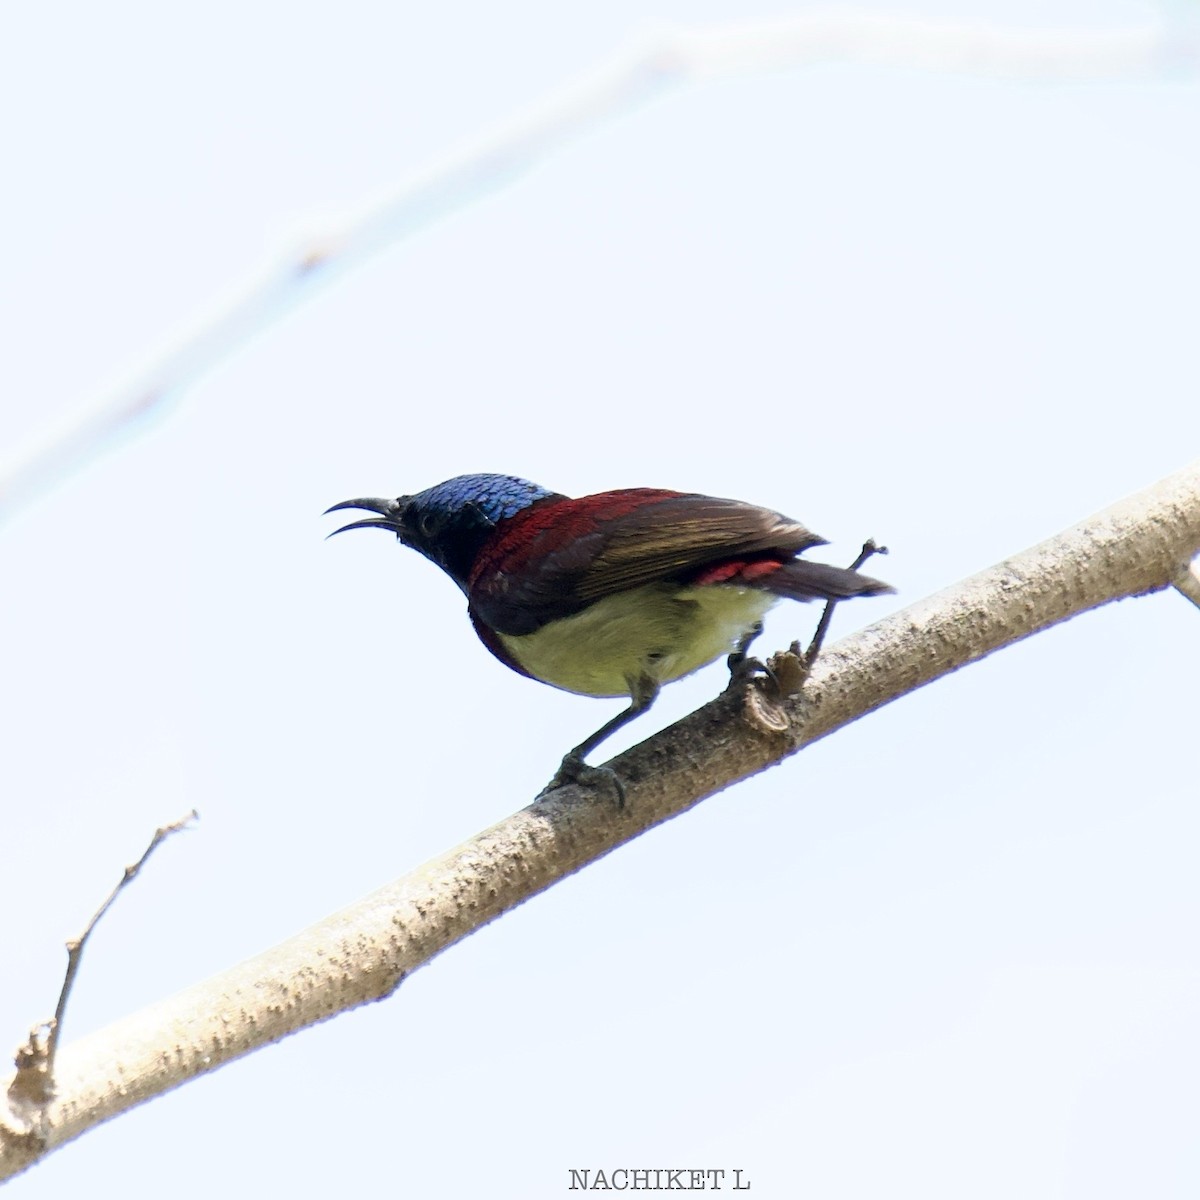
x=1139 y=545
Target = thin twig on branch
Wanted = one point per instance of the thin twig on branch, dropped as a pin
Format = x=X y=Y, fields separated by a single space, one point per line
x=1138 y=546
x=75 y=946
x=1188 y=581
x=666 y=59
x=32 y=1087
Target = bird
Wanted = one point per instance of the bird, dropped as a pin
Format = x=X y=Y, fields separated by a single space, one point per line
x=614 y=594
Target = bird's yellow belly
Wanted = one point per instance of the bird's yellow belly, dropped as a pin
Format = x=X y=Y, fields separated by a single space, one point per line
x=660 y=631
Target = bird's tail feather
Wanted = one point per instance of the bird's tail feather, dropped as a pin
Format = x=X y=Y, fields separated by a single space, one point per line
x=801 y=580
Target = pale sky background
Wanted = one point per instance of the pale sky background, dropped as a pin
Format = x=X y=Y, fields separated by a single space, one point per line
x=949 y=952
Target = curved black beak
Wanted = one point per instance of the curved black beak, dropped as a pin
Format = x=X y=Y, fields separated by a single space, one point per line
x=389 y=514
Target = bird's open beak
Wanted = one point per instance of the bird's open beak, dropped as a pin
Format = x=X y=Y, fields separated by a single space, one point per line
x=388 y=510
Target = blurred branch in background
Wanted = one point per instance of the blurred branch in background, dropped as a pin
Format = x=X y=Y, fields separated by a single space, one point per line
x=654 y=64
x=363 y=953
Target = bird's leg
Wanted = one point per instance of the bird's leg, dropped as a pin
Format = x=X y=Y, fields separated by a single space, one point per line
x=743 y=668
x=642 y=694
x=809 y=656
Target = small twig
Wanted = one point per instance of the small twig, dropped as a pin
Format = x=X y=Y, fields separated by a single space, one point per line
x=818 y=638
x=32 y=1087
x=75 y=945
x=1187 y=582
x=783 y=674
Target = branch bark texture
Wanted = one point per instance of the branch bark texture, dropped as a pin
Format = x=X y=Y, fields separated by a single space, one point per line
x=363 y=953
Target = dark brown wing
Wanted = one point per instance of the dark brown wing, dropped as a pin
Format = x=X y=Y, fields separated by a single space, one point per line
x=673 y=537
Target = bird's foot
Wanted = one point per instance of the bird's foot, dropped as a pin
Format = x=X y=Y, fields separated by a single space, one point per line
x=574 y=770
x=744 y=670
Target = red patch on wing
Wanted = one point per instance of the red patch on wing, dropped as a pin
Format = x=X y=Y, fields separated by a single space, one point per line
x=738 y=572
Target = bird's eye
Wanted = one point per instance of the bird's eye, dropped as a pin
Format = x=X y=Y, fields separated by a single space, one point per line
x=427 y=524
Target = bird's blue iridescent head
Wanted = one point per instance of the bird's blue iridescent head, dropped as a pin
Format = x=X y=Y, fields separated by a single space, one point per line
x=492 y=497
x=450 y=521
